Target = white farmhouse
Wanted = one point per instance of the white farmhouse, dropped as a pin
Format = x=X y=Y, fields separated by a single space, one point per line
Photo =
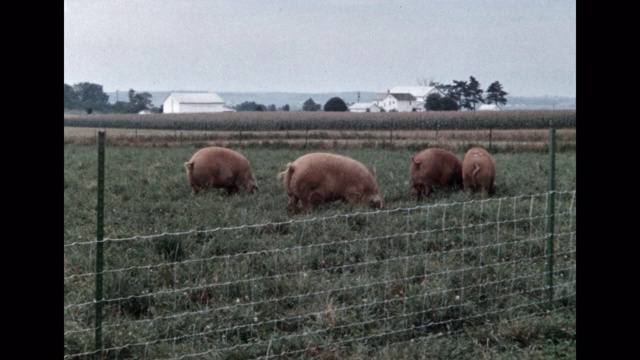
x=419 y=92
x=193 y=103
x=364 y=107
x=401 y=102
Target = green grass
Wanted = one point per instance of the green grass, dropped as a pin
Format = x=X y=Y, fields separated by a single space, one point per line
x=238 y=277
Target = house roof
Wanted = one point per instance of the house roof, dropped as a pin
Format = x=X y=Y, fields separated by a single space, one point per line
x=380 y=96
x=196 y=98
x=417 y=91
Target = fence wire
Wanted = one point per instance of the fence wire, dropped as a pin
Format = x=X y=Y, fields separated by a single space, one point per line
x=309 y=286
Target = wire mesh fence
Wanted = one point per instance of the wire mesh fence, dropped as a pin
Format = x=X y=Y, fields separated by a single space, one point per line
x=344 y=283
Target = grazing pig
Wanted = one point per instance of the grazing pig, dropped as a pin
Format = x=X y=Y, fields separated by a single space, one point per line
x=479 y=171
x=434 y=167
x=322 y=177
x=218 y=167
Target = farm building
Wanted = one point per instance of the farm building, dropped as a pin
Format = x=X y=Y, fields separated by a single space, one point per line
x=193 y=103
x=401 y=102
x=490 y=107
x=405 y=98
x=419 y=92
x=364 y=107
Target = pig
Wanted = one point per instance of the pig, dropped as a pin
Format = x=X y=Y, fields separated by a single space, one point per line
x=220 y=168
x=479 y=171
x=316 y=178
x=434 y=167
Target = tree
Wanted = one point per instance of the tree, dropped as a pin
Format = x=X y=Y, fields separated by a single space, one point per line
x=467 y=95
x=335 y=104
x=495 y=94
x=474 y=94
x=120 y=107
x=271 y=107
x=138 y=101
x=448 y=104
x=91 y=96
x=436 y=102
x=285 y=107
x=447 y=90
x=458 y=92
x=71 y=99
x=311 y=105
x=250 y=106
x=433 y=102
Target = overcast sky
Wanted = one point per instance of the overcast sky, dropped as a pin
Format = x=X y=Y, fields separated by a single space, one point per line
x=315 y=46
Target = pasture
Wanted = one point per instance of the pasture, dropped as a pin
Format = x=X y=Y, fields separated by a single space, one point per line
x=217 y=276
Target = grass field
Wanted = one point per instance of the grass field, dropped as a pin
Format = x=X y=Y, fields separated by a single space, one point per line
x=342 y=282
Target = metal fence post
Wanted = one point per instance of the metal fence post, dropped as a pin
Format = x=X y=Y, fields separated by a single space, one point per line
x=99 y=245
x=550 y=218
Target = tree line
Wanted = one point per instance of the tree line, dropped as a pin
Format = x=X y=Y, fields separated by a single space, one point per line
x=457 y=96
x=91 y=97
x=464 y=95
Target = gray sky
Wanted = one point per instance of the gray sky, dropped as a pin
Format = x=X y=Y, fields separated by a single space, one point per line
x=314 y=46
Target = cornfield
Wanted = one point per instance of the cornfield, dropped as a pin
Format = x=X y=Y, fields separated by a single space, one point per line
x=304 y=121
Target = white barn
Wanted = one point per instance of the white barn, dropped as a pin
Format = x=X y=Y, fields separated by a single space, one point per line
x=193 y=103
x=364 y=107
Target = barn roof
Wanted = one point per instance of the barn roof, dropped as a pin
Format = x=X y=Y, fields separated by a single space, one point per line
x=417 y=91
x=403 y=96
x=398 y=96
x=197 y=98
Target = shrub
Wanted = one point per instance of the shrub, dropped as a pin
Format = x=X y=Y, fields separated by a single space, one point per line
x=335 y=104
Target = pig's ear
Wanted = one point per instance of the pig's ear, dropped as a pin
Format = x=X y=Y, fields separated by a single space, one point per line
x=414 y=160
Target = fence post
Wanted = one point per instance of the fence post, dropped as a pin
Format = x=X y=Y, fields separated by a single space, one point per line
x=550 y=218
x=99 y=245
